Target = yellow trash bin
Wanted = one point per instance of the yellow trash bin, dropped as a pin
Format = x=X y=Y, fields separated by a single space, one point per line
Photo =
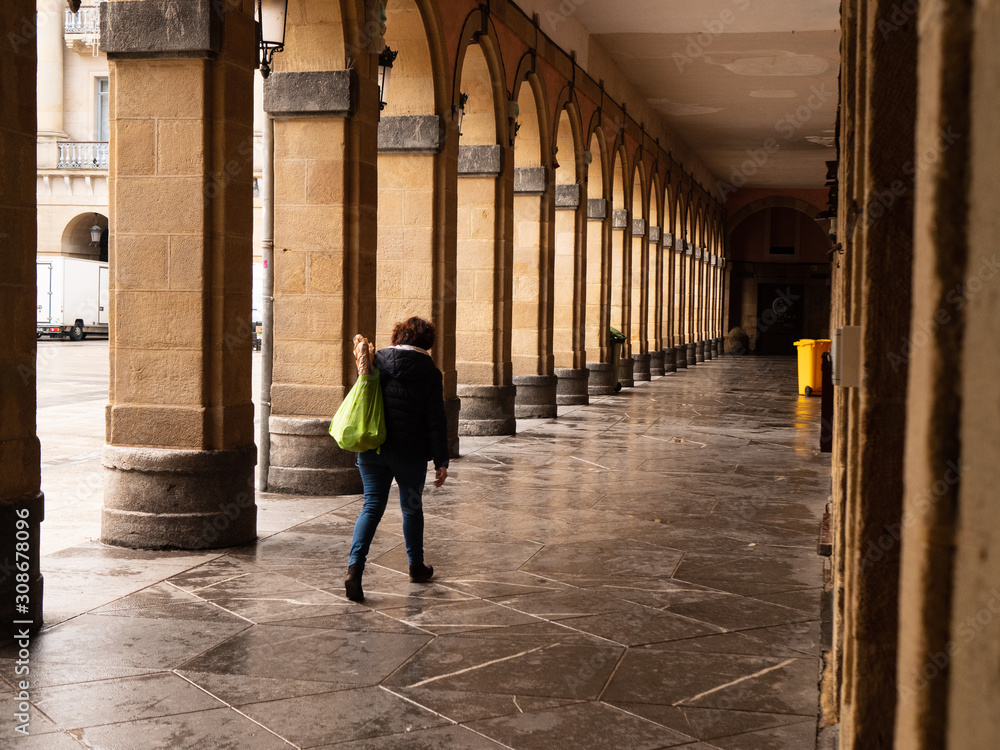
x=810 y=365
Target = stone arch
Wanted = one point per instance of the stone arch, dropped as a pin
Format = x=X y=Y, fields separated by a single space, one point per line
x=770 y=202
x=485 y=121
x=76 y=241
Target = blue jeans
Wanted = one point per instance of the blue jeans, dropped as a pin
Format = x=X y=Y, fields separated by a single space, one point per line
x=377 y=472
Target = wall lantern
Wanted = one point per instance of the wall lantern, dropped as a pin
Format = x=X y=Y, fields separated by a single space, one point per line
x=271 y=17
x=95 y=233
x=459 y=110
x=385 y=60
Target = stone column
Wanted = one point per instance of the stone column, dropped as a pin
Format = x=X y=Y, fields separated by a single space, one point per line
x=180 y=446
x=885 y=288
x=949 y=600
x=669 y=360
x=571 y=271
x=21 y=505
x=974 y=700
x=657 y=336
x=639 y=307
x=326 y=199
x=416 y=238
x=49 y=23
x=485 y=288
x=532 y=308
x=602 y=380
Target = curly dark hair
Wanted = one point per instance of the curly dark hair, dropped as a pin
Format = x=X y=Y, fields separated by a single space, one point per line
x=414 y=332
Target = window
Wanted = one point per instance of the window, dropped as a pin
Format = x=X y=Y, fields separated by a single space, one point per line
x=101 y=108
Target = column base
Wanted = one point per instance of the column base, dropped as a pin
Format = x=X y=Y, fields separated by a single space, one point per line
x=626 y=372
x=535 y=396
x=708 y=350
x=669 y=360
x=29 y=511
x=166 y=498
x=682 y=356
x=602 y=380
x=572 y=386
x=692 y=358
x=640 y=367
x=716 y=352
x=486 y=410
x=306 y=460
x=656 y=368
x=699 y=351
x=451 y=410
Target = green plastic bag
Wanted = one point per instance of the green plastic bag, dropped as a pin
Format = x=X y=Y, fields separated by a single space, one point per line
x=359 y=424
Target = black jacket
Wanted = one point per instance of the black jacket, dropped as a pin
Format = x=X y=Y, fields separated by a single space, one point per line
x=412 y=396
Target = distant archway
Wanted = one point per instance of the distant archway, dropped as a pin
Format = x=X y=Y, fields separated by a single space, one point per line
x=76 y=239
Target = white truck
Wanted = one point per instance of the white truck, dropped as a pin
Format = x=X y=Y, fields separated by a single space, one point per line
x=72 y=297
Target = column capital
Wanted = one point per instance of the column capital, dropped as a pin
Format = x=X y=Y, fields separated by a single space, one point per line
x=162 y=28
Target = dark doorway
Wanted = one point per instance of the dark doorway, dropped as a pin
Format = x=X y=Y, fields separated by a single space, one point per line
x=780 y=311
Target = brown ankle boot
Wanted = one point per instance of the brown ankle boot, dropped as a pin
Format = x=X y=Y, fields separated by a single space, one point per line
x=352 y=584
x=421 y=573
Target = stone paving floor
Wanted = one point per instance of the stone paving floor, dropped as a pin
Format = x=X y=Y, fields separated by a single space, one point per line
x=639 y=573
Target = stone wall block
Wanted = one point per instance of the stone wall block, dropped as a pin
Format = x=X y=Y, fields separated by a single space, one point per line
x=316 y=93
x=641 y=367
x=572 y=388
x=656 y=363
x=567 y=196
x=415 y=134
x=480 y=161
x=597 y=209
x=531 y=180
x=486 y=410
x=535 y=396
x=159 y=498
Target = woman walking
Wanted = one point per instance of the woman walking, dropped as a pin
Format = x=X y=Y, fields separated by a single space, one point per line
x=412 y=398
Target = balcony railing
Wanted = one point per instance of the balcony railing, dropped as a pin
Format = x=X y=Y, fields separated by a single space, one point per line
x=83 y=155
x=86 y=21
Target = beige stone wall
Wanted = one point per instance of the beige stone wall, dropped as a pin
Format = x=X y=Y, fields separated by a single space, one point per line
x=620 y=239
x=598 y=290
x=638 y=315
x=528 y=300
x=181 y=235
x=476 y=293
x=567 y=290
x=406 y=240
x=310 y=377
